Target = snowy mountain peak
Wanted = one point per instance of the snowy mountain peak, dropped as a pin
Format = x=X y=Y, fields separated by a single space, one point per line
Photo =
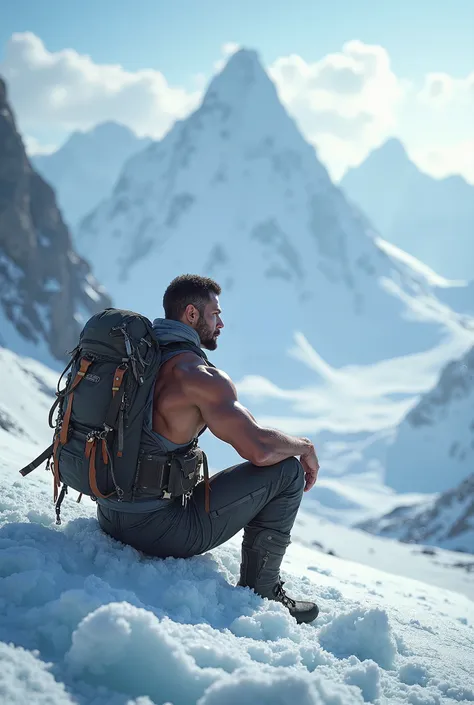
x=105 y=135
x=241 y=73
x=390 y=158
x=235 y=192
x=393 y=148
x=431 y=219
x=86 y=167
x=245 y=102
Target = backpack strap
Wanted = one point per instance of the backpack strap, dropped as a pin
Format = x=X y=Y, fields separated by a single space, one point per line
x=91 y=449
x=184 y=346
x=55 y=468
x=45 y=455
x=60 y=393
x=113 y=410
x=80 y=374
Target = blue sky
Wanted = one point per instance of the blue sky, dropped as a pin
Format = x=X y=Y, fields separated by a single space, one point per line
x=423 y=92
x=180 y=37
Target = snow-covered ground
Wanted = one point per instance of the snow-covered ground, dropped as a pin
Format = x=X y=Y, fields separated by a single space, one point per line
x=84 y=619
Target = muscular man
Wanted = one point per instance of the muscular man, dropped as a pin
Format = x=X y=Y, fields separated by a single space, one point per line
x=261 y=495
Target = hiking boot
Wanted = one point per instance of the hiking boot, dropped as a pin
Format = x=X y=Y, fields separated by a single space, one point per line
x=301 y=610
x=262 y=554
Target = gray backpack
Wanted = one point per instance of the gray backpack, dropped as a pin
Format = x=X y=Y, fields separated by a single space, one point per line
x=101 y=445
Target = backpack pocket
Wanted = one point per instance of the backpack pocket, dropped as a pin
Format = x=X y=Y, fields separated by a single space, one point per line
x=184 y=472
x=84 y=473
x=173 y=474
x=74 y=471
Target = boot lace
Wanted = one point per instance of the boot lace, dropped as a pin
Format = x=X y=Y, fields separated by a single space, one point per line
x=283 y=597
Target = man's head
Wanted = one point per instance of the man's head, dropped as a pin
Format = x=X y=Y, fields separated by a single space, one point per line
x=193 y=300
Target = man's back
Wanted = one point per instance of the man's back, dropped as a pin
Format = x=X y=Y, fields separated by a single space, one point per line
x=174 y=415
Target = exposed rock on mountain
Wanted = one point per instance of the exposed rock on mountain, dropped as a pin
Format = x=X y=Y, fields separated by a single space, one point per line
x=46 y=289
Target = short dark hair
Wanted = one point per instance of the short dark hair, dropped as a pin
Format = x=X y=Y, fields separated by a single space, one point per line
x=188 y=289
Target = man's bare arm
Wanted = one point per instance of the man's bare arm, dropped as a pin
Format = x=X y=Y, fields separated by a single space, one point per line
x=213 y=392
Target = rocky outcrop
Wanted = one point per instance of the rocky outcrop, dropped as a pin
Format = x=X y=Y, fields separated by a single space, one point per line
x=46 y=289
x=447 y=521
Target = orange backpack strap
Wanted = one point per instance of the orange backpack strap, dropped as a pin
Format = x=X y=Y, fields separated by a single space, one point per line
x=105 y=455
x=84 y=366
x=91 y=449
x=118 y=378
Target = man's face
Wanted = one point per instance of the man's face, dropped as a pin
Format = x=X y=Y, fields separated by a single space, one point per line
x=210 y=323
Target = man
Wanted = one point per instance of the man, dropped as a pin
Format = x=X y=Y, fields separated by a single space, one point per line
x=261 y=495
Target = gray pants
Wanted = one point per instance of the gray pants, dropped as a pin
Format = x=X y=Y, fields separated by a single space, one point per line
x=241 y=496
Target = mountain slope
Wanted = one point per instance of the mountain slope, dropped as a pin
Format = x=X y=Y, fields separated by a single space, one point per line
x=24 y=429
x=447 y=521
x=433 y=449
x=84 y=170
x=236 y=193
x=46 y=289
x=432 y=219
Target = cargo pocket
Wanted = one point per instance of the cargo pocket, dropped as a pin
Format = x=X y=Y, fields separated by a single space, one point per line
x=237 y=502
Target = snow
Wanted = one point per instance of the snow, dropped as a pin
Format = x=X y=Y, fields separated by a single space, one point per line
x=52 y=285
x=91 y=293
x=410 y=261
x=84 y=169
x=432 y=219
x=440 y=430
x=115 y=624
x=10 y=287
x=85 y=619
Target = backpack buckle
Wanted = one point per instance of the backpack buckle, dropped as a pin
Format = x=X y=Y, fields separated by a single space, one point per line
x=92 y=435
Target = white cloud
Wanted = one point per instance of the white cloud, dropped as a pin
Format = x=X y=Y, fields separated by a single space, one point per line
x=69 y=91
x=457 y=158
x=227 y=50
x=349 y=102
x=346 y=103
x=441 y=89
x=230 y=48
x=34 y=146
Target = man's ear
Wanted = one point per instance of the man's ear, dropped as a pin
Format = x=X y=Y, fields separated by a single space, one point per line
x=191 y=313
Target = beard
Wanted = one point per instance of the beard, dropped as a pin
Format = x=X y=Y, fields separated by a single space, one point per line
x=207 y=337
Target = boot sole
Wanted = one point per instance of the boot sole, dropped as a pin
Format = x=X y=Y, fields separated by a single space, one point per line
x=306 y=617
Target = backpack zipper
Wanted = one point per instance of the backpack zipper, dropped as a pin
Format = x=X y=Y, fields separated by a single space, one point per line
x=120 y=427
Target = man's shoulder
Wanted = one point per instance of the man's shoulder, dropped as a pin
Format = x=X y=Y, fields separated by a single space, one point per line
x=190 y=363
x=196 y=375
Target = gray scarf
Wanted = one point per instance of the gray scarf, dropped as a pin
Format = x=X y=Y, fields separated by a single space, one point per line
x=168 y=331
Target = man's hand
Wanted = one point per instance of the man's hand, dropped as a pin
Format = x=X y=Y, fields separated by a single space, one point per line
x=310 y=464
